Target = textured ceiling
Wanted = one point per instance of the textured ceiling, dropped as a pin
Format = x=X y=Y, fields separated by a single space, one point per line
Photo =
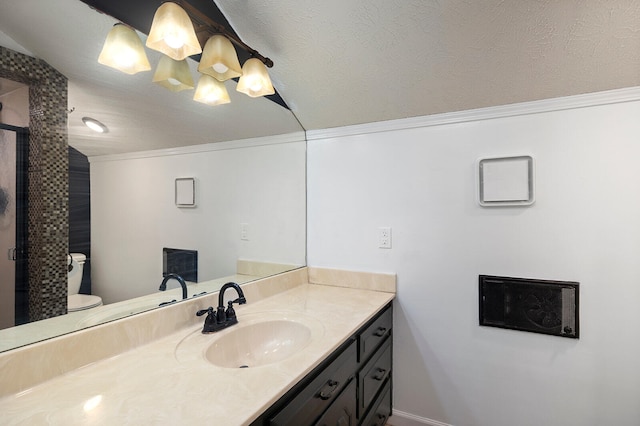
x=346 y=62
x=342 y=62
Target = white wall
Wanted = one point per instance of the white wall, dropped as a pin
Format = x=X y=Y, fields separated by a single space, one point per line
x=133 y=212
x=584 y=226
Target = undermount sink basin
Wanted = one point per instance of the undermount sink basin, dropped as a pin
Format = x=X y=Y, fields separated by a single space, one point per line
x=258 y=344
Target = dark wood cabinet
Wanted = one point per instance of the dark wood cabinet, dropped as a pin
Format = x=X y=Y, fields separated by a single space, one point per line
x=372 y=376
x=316 y=396
x=372 y=336
x=351 y=387
x=342 y=411
x=381 y=410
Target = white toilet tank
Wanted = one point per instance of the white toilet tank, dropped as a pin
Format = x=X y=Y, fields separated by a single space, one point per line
x=75 y=301
x=75 y=261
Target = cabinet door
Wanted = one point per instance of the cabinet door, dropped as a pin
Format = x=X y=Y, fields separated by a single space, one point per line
x=313 y=399
x=373 y=375
x=343 y=410
x=381 y=409
x=376 y=333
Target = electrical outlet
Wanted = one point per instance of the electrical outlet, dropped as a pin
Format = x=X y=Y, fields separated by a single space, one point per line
x=244 y=231
x=384 y=237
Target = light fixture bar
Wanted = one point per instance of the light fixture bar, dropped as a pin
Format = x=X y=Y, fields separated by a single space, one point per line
x=205 y=25
x=215 y=28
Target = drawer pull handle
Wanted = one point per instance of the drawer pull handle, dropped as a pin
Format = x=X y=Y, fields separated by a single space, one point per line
x=327 y=390
x=380 y=374
x=380 y=331
x=380 y=419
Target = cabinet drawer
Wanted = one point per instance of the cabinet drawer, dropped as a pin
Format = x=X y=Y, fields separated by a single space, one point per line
x=381 y=409
x=313 y=399
x=375 y=334
x=373 y=375
x=343 y=410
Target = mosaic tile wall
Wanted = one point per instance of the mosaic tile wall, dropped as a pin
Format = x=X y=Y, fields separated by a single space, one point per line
x=48 y=181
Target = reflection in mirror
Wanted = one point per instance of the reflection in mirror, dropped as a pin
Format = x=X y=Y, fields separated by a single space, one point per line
x=112 y=196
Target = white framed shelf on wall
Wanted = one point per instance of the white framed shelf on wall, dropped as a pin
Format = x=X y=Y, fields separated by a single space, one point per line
x=506 y=181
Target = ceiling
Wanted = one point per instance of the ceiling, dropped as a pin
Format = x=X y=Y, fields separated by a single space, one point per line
x=340 y=63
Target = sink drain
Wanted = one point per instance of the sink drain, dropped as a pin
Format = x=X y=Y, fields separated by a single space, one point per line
x=244 y=366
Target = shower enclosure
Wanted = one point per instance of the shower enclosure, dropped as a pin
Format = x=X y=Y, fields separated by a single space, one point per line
x=14 y=142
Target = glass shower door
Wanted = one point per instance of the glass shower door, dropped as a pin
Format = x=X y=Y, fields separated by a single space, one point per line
x=13 y=228
x=7 y=227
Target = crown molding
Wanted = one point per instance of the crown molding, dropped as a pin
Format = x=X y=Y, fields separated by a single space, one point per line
x=630 y=94
x=208 y=147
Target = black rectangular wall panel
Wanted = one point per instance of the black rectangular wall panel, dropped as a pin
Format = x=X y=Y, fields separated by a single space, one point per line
x=539 y=306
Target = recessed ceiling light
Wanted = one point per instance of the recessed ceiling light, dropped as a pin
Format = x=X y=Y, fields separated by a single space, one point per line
x=94 y=125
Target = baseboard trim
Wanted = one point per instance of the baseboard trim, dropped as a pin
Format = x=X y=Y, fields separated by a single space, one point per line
x=400 y=418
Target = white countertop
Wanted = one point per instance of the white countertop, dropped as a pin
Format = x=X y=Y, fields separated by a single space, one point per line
x=156 y=384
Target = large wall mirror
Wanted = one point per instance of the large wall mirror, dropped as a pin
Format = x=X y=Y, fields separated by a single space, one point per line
x=113 y=196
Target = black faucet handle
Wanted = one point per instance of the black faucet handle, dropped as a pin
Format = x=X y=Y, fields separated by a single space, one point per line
x=201 y=312
x=210 y=321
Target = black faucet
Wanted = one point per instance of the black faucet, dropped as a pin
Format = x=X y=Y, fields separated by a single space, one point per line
x=221 y=319
x=167 y=277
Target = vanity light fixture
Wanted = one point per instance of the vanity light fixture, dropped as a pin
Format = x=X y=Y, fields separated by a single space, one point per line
x=255 y=79
x=123 y=51
x=94 y=125
x=219 y=59
x=173 y=75
x=210 y=91
x=172 y=33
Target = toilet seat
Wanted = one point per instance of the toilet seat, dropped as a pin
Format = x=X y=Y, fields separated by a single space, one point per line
x=80 y=302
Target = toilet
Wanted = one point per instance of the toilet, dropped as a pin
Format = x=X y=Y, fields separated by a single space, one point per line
x=75 y=301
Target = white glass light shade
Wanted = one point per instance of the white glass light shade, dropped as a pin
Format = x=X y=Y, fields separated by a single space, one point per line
x=255 y=80
x=172 y=33
x=219 y=59
x=210 y=91
x=94 y=125
x=123 y=51
x=174 y=75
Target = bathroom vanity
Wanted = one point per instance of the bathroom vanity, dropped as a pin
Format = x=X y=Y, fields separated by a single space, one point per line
x=158 y=368
x=352 y=386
